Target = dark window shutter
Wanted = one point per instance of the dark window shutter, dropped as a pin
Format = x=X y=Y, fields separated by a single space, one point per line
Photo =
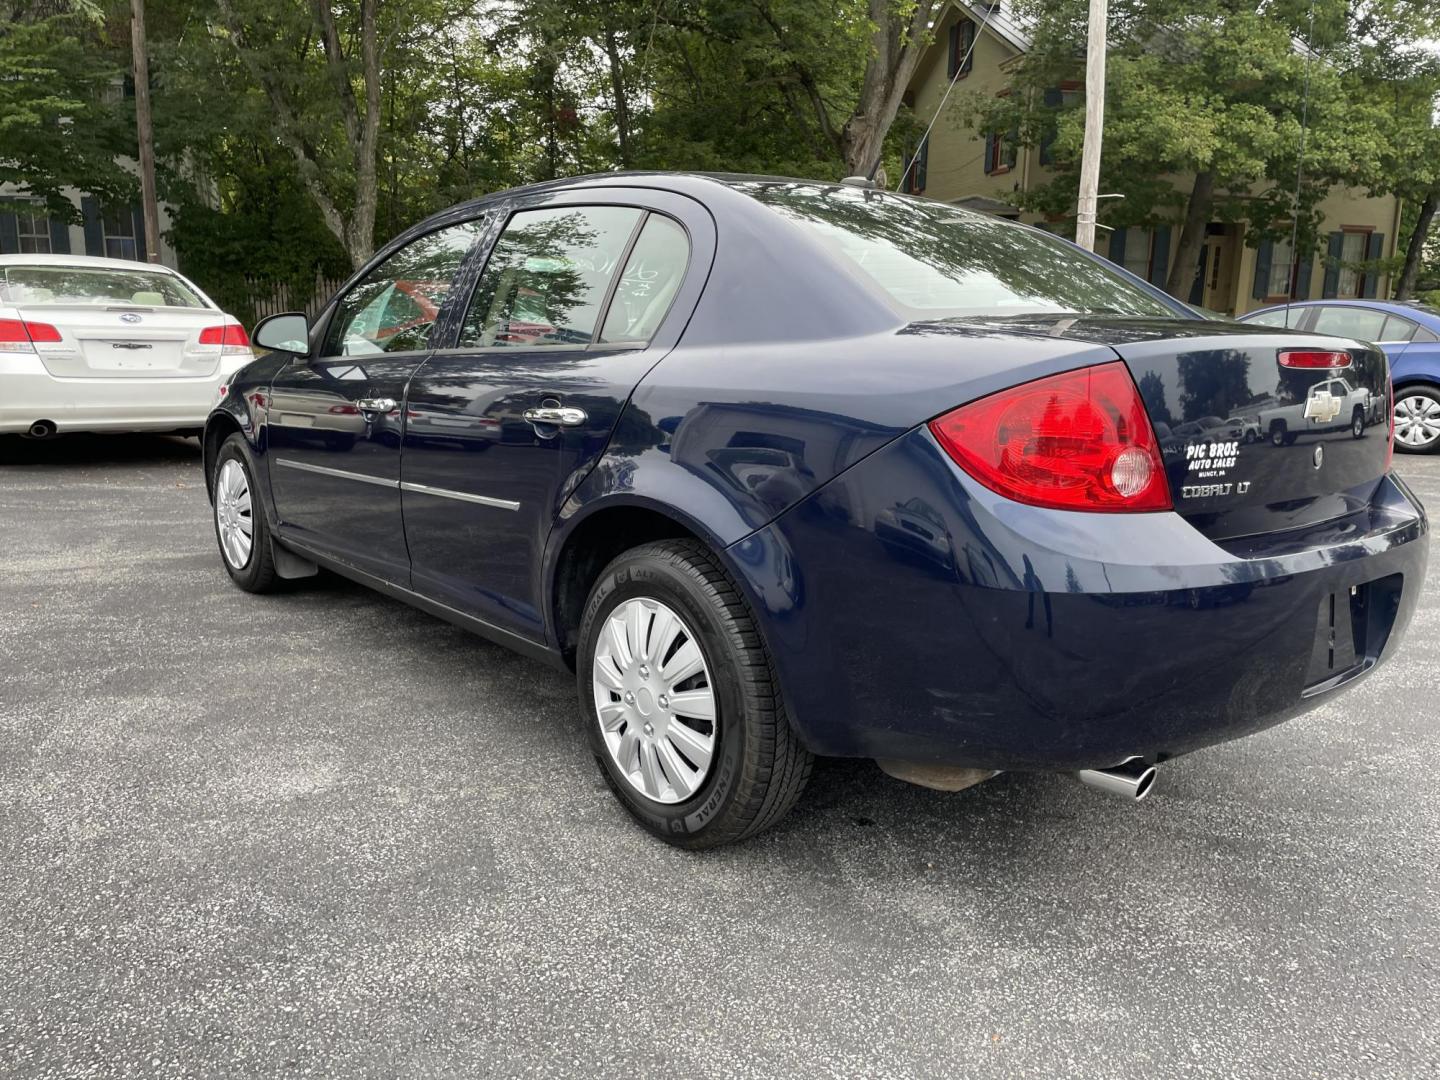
x=1373 y=250
x=1264 y=255
x=1331 y=288
x=1053 y=100
x=1302 y=276
x=1117 y=247
x=94 y=236
x=1197 y=290
x=989 y=153
x=9 y=233
x=954 y=63
x=1160 y=256
x=139 y=217
x=967 y=45
x=59 y=236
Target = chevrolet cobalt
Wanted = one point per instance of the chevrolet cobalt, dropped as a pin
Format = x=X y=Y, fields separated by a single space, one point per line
x=782 y=468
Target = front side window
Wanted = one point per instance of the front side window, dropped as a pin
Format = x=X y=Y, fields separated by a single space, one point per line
x=1352 y=322
x=394 y=306
x=936 y=261
x=95 y=286
x=648 y=284
x=547 y=278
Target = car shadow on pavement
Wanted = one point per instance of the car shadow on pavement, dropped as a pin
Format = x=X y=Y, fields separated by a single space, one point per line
x=85 y=449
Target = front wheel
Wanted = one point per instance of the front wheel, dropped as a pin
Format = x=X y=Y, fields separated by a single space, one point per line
x=1417 y=420
x=685 y=717
x=240 y=526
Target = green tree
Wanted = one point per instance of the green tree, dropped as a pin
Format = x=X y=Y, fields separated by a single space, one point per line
x=62 y=117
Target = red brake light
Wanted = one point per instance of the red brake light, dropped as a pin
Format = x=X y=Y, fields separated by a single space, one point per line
x=229 y=334
x=1077 y=441
x=1314 y=358
x=16 y=332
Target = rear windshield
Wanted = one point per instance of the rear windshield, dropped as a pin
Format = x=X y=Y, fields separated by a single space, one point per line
x=936 y=261
x=94 y=285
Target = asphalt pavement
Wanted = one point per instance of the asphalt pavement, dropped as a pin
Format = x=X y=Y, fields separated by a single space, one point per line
x=323 y=834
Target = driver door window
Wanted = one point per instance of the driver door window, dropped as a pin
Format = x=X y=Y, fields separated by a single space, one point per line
x=548 y=277
x=393 y=308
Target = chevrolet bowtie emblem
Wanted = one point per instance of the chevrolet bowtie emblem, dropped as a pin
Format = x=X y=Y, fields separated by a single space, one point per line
x=1323 y=406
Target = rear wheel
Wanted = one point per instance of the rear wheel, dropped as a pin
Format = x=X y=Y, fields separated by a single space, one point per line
x=240 y=527
x=1357 y=422
x=684 y=714
x=1279 y=435
x=1417 y=419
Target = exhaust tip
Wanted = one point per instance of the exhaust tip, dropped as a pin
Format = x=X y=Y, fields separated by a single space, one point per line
x=1131 y=780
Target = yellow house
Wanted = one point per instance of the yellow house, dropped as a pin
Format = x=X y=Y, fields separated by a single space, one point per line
x=963 y=166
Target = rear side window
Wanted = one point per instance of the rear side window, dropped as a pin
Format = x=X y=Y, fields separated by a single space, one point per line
x=394 y=306
x=548 y=276
x=1278 y=318
x=1352 y=322
x=648 y=284
x=935 y=261
x=1398 y=329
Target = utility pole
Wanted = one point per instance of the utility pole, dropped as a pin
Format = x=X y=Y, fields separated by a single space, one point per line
x=1094 y=127
x=144 y=131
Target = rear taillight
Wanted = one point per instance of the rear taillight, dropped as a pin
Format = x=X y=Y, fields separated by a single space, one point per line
x=1314 y=358
x=231 y=337
x=1077 y=441
x=18 y=335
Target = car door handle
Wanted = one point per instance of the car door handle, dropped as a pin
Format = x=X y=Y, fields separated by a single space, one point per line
x=564 y=415
x=375 y=404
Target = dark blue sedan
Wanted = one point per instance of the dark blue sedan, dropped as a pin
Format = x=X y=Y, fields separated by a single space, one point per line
x=782 y=468
x=1409 y=335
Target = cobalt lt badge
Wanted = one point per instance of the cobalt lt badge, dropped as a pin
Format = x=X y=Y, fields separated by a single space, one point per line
x=1319 y=456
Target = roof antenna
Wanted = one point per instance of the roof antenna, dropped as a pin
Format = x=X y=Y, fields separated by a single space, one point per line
x=1290 y=280
x=959 y=68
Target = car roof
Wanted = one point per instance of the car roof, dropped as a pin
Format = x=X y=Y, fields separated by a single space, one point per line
x=94 y=261
x=1408 y=308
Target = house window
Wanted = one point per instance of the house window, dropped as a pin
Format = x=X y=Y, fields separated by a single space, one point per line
x=1352 y=251
x=119 y=233
x=1281 y=257
x=1139 y=244
x=962 y=44
x=33 y=229
x=1000 y=151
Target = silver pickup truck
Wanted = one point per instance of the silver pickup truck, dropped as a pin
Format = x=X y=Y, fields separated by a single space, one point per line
x=1328 y=405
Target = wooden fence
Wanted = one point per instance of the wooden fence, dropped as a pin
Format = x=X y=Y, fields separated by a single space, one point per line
x=255 y=298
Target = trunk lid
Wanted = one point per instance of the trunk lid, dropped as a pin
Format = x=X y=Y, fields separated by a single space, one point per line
x=1249 y=446
x=120 y=342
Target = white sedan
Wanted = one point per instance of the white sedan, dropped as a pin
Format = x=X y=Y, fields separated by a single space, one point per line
x=92 y=344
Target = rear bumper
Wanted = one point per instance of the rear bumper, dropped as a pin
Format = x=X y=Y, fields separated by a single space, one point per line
x=917 y=616
x=28 y=393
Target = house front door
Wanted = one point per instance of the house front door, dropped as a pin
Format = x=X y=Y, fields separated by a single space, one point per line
x=1219 y=269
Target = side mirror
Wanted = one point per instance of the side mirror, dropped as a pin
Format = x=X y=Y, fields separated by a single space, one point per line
x=288 y=332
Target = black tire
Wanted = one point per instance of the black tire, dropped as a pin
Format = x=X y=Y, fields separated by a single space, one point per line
x=1278 y=435
x=1357 y=423
x=759 y=767
x=1430 y=393
x=258 y=574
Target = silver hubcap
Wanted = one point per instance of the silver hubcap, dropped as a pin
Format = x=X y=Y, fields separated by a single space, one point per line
x=655 y=700
x=1417 y=420
x=232 y=514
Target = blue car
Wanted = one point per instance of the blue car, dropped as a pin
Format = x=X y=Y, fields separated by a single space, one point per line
x=1407 y=332
x=778 y=468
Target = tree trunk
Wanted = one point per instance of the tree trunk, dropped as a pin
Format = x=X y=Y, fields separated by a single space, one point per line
x=896 y=47
x=1192 y=237
x=1416 y=247
x=622 y=103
